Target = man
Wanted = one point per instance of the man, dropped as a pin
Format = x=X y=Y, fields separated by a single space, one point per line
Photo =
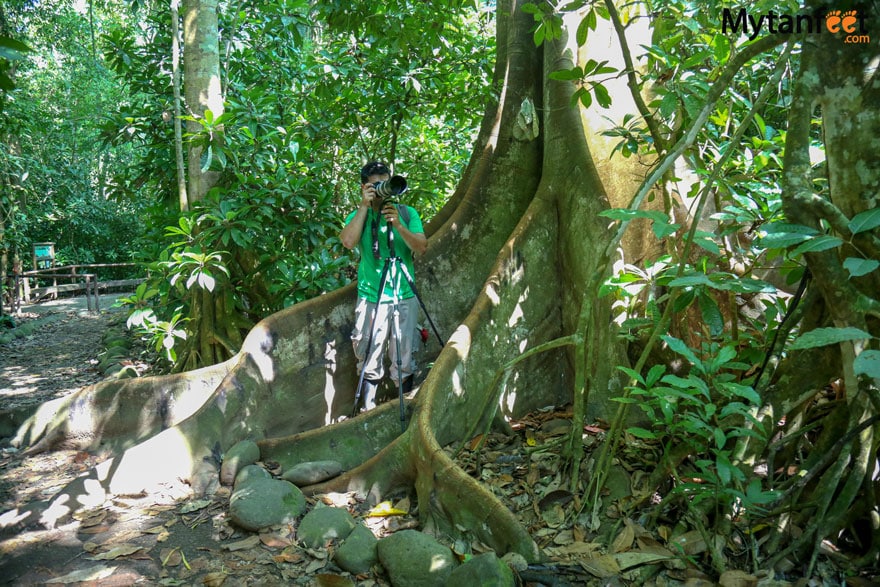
x=367 y=230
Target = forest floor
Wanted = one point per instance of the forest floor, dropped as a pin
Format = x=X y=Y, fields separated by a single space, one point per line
x=172 y=539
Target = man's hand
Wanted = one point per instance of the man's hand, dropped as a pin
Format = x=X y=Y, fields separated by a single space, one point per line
x=391 y=215
x=368 y=194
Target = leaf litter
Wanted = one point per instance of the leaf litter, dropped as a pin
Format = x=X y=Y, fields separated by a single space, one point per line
x=161 y=539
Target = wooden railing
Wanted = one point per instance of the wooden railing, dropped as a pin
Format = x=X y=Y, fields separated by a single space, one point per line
x=86 y=282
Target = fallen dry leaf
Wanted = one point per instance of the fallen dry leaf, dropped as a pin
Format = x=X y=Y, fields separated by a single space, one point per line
x=116 y=552
x=91 y=574
x=275 y=540
x=603 y=567
x=92 y=518
x=624 y=539
x=214 y=579
x=287 y=556
x=195 y=505
x=627 y=560
x=170 y=557
x=328 y=580
x=249 y=542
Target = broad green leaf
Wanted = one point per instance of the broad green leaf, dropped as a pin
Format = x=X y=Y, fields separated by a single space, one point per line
x=575 y=73
x=720 y=437
x=692 y=280
x=822 y=242
x=707 y=243
x=711 y=314
x=858 y=267
x=867 y=220
x=633 y=374
x=602 y=95
x=826 y=336
x=584 y=27
x=627 y=214
x=654 y=375
x=642 y=433
x=678 y=346
x=781 y=235
x=868 y=363
x=11 y=49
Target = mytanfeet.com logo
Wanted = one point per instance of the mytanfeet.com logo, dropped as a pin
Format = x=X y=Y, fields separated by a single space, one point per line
x=850 y=25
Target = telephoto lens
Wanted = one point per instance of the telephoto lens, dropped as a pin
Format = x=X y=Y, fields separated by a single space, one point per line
x=390 y=188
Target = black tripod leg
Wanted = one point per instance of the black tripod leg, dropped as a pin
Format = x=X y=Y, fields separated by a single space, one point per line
x=396 y=337
x=412 y=286
x=357 y=395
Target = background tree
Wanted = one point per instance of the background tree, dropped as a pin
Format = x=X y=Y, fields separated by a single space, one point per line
x=54 y=170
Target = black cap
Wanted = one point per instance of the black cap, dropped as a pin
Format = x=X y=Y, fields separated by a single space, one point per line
x=373 y=168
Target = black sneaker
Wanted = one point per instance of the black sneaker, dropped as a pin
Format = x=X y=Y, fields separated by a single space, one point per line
x=407 y=385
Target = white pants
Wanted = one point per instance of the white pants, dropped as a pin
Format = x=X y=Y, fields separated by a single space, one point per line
x=373 y=365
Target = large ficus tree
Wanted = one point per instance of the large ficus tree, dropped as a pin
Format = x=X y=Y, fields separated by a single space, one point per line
x=546 y=273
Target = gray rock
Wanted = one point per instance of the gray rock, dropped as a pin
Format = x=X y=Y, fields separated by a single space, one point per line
x=260 y=502
x=357 y=553
x=305 y=474
x=238 y=456
x=484 y=570
x=250 y=473
x=323 y=524
x=414 y=559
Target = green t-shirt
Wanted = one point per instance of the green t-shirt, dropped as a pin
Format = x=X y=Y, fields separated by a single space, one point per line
x=370 y=268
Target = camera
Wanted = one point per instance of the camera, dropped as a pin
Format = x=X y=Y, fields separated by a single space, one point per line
x=390 y=188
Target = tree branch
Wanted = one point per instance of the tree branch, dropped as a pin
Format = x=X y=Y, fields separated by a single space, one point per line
x=633 y=82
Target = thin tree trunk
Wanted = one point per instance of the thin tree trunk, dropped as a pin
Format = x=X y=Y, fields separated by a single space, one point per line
x=178 y=130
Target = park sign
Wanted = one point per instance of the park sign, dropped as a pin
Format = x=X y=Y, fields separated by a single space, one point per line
x=851 y=25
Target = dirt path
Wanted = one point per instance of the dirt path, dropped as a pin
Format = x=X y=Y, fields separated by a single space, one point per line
x=52 y=351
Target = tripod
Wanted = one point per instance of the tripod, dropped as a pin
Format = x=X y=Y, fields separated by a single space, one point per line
x=393 y=268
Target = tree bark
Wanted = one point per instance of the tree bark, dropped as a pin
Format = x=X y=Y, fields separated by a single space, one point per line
x=202 y=89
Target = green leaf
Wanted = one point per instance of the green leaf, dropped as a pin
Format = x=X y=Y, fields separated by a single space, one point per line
x=707 y=243
x=868 y=363
x=756 y=495
x=584 y=27
x=720 y=437
x=858 y=267
x=867 y=220
x=826 y=336
x=207 y=157
x=641 y=433
x=692 y=280
x=602 y=95
x=633 y=374
x=663 y=229
x=781 y=235
x=711 y=314
x=627 y=214
x=11 y=49
x=678 y=346
x=726 y=471
x=823 y=242
x=575 y=73
x=654 y=375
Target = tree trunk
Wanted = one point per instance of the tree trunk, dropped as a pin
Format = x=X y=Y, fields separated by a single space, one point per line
x=182 y=198
x=838 y=80
x=201 y=62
